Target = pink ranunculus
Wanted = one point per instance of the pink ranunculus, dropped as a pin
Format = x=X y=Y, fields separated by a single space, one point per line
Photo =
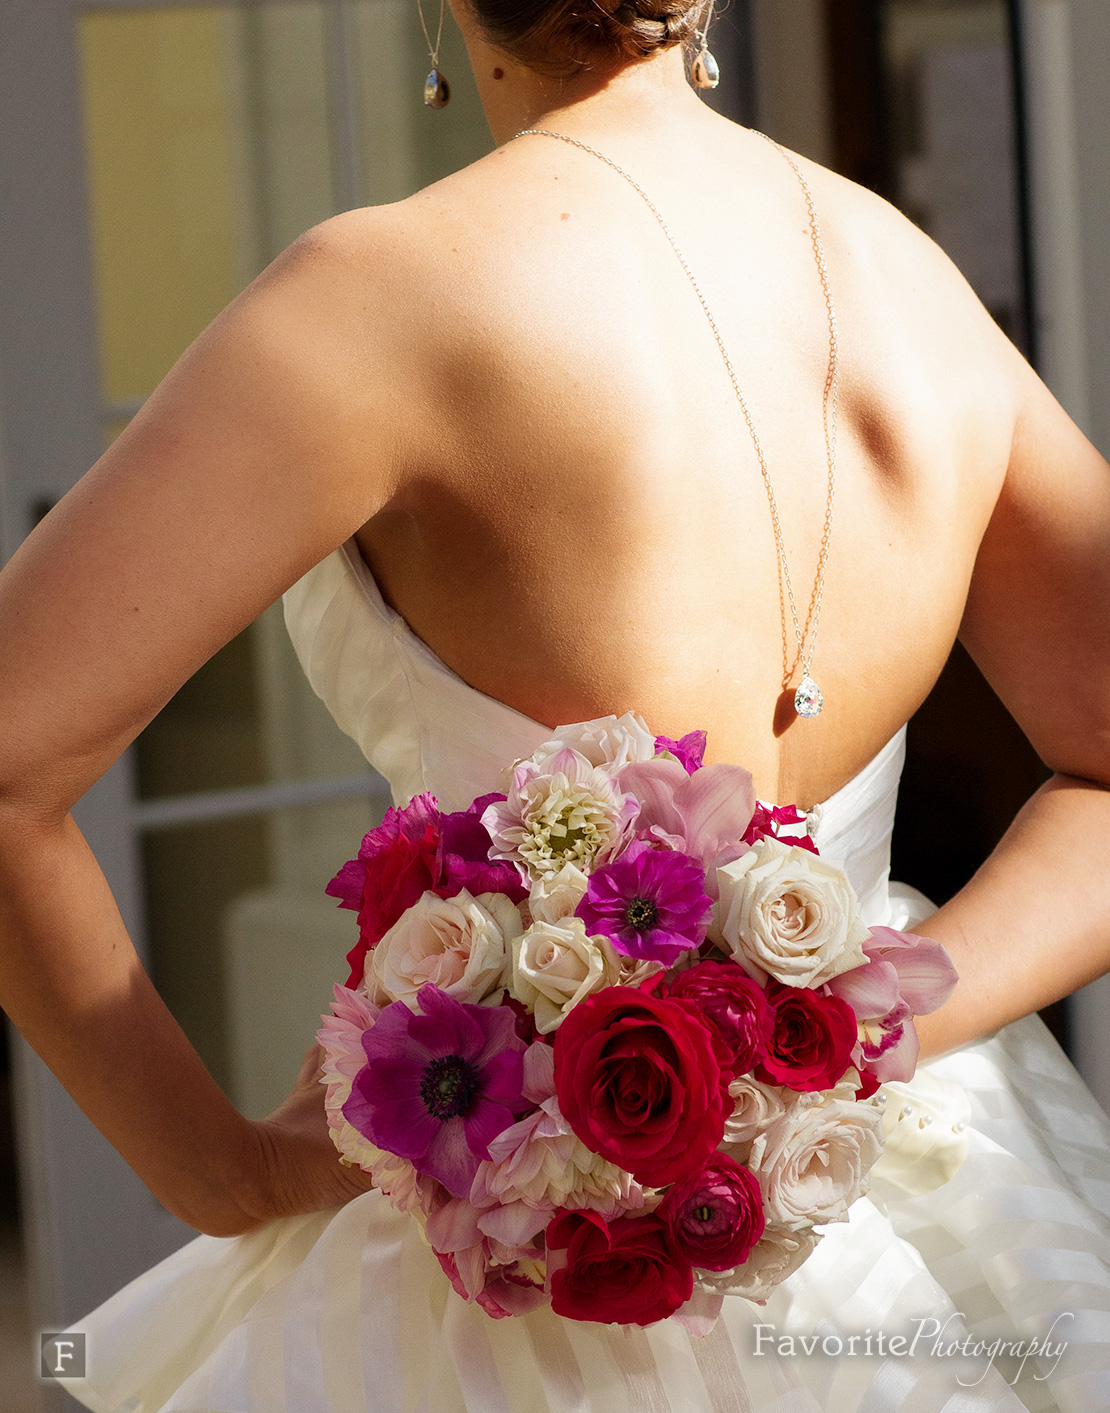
x=904 y=975
x=715 y=1215
x=703 y=814
x=396 y=865
x=735 y=1003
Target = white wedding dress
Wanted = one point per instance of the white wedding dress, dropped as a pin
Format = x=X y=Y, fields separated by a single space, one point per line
x=347 y=1311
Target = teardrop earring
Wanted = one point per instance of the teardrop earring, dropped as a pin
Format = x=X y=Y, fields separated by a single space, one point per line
x=437 y=91
x=704 y=70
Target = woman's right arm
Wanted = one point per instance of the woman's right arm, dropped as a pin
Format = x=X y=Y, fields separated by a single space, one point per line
x=271 y=441
x=1033 y=925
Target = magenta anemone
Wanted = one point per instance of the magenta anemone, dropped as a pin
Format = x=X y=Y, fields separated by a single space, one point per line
x=438 y=1087
x=652 y=906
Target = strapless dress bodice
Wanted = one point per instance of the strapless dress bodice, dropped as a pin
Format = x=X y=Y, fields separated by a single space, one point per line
x=424 y=728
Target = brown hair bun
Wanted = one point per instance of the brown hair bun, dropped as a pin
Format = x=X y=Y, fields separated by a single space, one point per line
x=558 y=37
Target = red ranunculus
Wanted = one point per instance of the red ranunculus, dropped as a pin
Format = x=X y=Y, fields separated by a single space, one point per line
x=395 y=867
x=811 y=1041
x=643 y=1081
x=626 y=1272
x=735 y=1003
x=716 y=1215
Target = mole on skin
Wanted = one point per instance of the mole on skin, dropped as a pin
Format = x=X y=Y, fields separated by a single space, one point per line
x=499 y=73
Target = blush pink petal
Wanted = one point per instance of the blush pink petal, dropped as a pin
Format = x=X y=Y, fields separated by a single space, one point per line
x=701 y=1312
x=453 y=1226
x=926 y=974
x=708 y=811
x=514 y=1223
x=871 y=990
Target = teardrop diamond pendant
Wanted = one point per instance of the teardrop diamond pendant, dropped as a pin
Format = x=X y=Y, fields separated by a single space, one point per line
x=808 y=700
x=437 y=91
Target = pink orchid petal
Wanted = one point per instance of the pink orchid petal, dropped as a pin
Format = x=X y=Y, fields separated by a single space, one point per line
x=716 y=804
x=926 y=974
x=654 y=783
x=871 y=990
x=472 y=1267
x=900 y=1061
x=514 y=1223
x=454 y=1227
x=701 y=1311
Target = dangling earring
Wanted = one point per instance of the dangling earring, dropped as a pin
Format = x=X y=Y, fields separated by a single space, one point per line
x=705 y=71
x=437 y=91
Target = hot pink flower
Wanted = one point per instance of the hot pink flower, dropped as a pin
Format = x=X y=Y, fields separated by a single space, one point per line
x=437 y=1087
x=716 y=1215
x=690 y=750
x=395 y=867
x=651 y=905
x=728 y=997
x=785 y=822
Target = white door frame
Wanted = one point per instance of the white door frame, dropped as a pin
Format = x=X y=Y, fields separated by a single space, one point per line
x=1065 y=47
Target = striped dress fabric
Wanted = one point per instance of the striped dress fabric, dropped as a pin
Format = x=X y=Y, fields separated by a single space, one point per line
x=987 y=1224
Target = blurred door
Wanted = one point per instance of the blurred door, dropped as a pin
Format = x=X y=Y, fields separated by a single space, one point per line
x=155 y=157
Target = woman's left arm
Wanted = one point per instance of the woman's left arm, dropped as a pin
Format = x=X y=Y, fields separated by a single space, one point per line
x=270 y=442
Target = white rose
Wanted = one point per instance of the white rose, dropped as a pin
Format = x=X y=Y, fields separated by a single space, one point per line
x=785 y=912
x=755 y=1107
x=460 y=944
x=777 y=1254
x=555 y=898
x=609 y=742
x=814 y=1162
x=556 y=965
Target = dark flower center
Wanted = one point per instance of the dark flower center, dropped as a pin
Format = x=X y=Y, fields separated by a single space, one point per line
x=704 y=1213
x=641 y=914
x=448 y=1086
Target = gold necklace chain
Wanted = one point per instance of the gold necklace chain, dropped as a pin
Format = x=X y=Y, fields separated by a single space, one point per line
x=808 y=700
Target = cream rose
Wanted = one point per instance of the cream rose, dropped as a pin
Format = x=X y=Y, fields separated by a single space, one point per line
x=460 y=944
x=755 y=1107
x=556 y=965
x=815 y=1161
x=786 y=913
x=555 y=898
x=777 y=1254
x=610 y=742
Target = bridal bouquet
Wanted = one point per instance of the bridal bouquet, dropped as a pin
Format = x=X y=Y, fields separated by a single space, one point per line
x=612 y=1038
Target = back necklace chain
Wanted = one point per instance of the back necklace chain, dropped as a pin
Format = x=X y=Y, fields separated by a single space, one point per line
x=808 y=699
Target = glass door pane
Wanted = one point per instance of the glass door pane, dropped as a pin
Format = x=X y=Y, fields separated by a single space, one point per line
x=215 y=136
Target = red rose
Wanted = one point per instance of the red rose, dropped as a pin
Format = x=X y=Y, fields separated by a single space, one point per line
x=715 y=1216
x=736 y=1004
x=624 y=1272
x=643 y=1081
x=394 y=869
x=811 y=1041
